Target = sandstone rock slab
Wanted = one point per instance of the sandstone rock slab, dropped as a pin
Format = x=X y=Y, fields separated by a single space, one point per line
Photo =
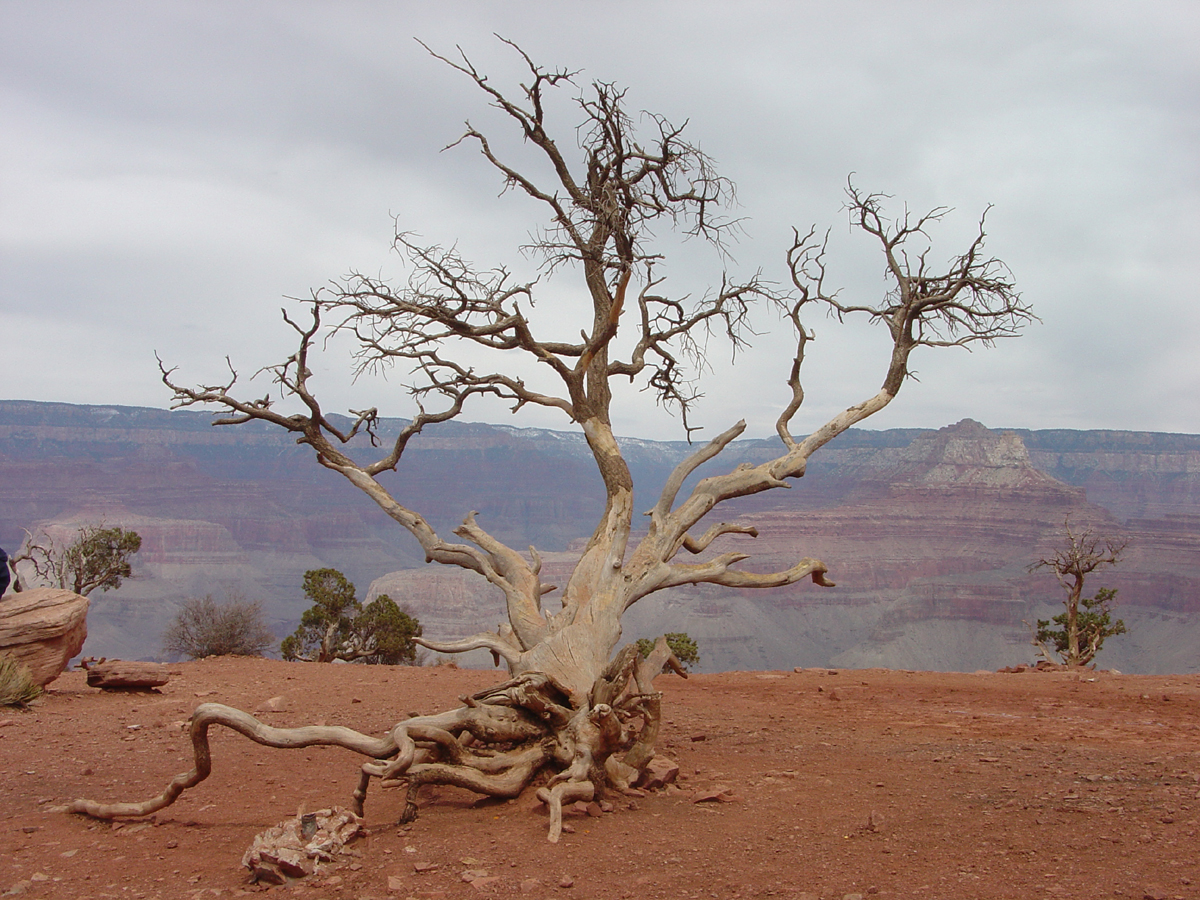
x=43 y=628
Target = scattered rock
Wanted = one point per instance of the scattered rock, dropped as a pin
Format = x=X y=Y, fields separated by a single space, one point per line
x=566 y=882
x=425 y=866
x=275 y=704
x=659 y=772
x=43 y=628
x=718 y=793
x=395 y=883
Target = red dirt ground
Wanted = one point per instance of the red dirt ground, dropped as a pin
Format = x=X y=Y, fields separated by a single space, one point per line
x=873 y=783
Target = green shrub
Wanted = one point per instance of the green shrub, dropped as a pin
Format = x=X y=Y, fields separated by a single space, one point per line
x=681 y=644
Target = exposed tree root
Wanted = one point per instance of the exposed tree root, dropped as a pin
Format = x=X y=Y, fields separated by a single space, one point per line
x=494 y=745
x=208 y=714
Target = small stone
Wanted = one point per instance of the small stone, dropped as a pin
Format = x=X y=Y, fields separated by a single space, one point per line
x=356 y=699
x=425 y=866
x=484 y=883
x=852 y=897
x=605 y=806
x=593 y=809
x=566 y=882
x=659 y=772
x=696 y=738
x=172 y=844
x=395 y=883
x=264 y=874
x=30 y=829
x=39 y=876
x=529 y=885
x=718 y=793
x=19 y=888
x=470 y=875
x=568 y=828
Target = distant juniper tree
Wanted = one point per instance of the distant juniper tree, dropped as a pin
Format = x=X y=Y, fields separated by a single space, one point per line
x=98 y=558
x=338 y=627
x=1079 y=632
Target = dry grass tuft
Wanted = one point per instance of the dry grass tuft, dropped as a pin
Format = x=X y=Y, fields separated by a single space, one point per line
x=17 y=687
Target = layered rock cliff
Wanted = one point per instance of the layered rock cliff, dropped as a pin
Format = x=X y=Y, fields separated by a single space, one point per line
x=927 y=533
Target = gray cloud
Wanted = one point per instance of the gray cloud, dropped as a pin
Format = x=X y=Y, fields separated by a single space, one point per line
x=170 y=172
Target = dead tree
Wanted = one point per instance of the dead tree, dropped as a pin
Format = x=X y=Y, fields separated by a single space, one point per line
x=575 y=705
x=1080 y=553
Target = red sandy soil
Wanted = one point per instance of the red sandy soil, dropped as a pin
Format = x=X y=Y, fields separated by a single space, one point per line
x=873 y=783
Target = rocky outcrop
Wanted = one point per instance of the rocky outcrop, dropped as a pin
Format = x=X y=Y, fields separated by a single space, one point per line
x=43 y=628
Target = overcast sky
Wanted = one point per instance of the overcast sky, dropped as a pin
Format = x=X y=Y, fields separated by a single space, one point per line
x=170 y=172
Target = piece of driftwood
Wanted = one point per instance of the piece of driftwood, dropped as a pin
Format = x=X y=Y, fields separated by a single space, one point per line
x=120 y=674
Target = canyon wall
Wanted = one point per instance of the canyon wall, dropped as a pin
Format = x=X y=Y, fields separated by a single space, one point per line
x=927 y=533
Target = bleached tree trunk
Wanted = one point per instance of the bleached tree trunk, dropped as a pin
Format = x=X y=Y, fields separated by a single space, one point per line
x=577 y=702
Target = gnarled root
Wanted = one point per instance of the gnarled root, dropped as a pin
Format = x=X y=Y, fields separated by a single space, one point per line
x=555 y=797
x=494 y=745
x=208 y=714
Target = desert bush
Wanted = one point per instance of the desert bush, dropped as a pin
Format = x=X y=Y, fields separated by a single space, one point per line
x=205 y=627
x=17 y=687
x=681 y=644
